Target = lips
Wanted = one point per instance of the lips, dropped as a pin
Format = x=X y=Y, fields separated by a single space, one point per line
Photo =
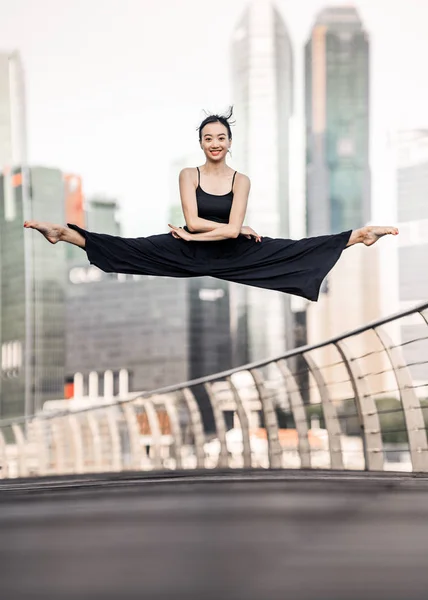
x=215 y=152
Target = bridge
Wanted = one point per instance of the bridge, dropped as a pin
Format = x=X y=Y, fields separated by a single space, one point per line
x=302 y=475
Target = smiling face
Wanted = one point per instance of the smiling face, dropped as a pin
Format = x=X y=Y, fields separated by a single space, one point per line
x=215 y=141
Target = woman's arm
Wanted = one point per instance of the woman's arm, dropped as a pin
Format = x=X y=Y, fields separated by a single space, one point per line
x=202 y=225
x=236 y=218
x=190 y=207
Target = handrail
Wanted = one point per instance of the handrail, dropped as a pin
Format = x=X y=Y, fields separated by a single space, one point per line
x=179 y=426
x=224 y=374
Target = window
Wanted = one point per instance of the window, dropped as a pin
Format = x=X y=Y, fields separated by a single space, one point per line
x=11 y=357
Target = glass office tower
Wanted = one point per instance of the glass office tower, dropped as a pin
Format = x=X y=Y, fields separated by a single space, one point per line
x=33 y=277
x=337 y=123
x=262 y=81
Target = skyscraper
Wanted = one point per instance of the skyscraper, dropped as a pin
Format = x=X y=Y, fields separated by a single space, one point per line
x=13 y=134
x=411 y=160
x=263 y=100
x=411 y=151
x=32 y=292
x=262 y=93
x=337 y=123
x=13 y=143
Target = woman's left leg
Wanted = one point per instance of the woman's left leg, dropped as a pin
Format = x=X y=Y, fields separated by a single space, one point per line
x=57 y=233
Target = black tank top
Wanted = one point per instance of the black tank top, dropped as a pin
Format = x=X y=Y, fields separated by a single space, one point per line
x=214 y=207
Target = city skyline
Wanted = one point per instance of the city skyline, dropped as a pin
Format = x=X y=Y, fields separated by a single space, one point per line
x=107 y=112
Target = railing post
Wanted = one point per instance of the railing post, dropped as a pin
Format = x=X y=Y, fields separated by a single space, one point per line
x=299 y=414
x=424 y=315
x=367 y=411
x=411 y=406
x=37 y=426
x=20 y=444
x=245 y=425
x=171 y=410
x=76 y=443
x=155 y=431
x=57 y=438
x=134 y=435
x=223 y=460
x=332 y=424
x=197 y=427
x=271 y=421
x=94 y=429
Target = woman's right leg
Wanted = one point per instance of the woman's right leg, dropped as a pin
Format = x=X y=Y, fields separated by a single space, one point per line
x=370 y=234
x=57 y=233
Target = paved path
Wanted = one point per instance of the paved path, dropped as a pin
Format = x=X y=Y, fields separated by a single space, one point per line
x=250 y=536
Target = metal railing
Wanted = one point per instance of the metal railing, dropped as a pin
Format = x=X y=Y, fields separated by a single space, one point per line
x=356 y=401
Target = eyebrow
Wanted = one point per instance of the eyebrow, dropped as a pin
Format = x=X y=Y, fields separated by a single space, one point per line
x=210 y=134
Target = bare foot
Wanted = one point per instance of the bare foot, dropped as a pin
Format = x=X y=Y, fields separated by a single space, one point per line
x=53 y=233
x=373 y=233
x=369 y=235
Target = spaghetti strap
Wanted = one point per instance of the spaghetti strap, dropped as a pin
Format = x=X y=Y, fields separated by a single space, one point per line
x=233 y=180
x=199 y=176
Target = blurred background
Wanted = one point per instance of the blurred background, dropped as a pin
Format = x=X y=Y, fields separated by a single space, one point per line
x=99 y=109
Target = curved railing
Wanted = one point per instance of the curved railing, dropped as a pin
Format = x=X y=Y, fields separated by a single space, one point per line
x=356 y=401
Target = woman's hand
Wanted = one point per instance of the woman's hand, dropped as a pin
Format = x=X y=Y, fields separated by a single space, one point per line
x=179 y=233
x=250 y=233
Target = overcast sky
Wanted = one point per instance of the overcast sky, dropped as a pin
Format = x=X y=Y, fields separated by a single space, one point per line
x=116 y=89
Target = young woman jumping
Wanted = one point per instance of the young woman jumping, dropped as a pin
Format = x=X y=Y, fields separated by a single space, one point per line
x=214 y=241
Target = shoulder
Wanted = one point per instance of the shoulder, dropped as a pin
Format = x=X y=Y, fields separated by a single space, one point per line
x=188 y=174
x=242 y=180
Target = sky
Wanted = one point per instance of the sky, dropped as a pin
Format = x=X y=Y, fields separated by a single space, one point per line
x=116 y=89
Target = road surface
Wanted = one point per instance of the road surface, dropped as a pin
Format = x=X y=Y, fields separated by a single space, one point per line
x=261 y=535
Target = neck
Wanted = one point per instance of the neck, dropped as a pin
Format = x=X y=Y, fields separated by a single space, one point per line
x=215 y=168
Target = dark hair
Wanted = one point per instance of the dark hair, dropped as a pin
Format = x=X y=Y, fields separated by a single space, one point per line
x=223 y=119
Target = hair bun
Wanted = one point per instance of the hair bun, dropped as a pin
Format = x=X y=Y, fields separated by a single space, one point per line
x=224 y=119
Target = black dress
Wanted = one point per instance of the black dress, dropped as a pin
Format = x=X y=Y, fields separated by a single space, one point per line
x=292 y=266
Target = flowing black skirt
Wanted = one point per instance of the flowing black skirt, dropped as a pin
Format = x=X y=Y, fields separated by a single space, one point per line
x=291 y=266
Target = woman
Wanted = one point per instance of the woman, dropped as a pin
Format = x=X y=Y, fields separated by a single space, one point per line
x=214 y=241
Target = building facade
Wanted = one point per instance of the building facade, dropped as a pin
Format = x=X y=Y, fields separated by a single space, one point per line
x=101 y=216
x=411 y=159
x=32 y=292
x=13 y=153
x=262 y=76
x=162 y=330
x=337 y=123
